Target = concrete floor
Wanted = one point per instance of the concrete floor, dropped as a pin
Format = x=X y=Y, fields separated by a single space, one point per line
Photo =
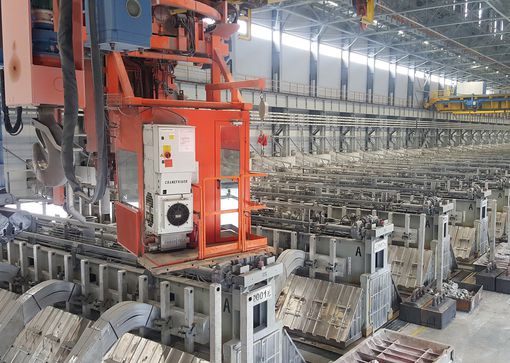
x=479 y=337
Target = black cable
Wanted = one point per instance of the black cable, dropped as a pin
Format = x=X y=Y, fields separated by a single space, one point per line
x=18 y=126
x=97 y=72
x=65 y=42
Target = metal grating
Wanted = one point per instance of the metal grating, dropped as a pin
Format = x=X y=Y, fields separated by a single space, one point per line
x=380 y=287
x=131 y=348
x=267 y=349
x=319 y=309
x=48 y=337
x=404 y=266
x=392 y=347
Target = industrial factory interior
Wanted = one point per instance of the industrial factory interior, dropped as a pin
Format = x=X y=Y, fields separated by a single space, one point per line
x=254 y=181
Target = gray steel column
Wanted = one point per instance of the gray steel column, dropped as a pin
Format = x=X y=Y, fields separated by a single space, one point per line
x=332 y=259
x=421 y=249
x=85 y=282
x=370 y=80
x=275 y=50
x=215 y=339
x=164 y=290
x=314 y=66
x=103 y=283
x=246 y=328
x=189 y=317
x=37 y=263
x=410 y=88
x=344 y=76
x=391 y=81
x=121 y=285
x=440 y=252
x=143 y=297
x=494 y=207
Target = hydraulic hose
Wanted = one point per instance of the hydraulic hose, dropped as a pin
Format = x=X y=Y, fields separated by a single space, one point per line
x=18 y=126
x=97 y=72
x=65 y=40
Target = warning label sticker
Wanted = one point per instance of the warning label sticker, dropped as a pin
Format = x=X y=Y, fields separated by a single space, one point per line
x=186 y=141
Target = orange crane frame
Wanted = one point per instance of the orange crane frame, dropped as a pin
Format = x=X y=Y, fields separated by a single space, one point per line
x=128 y=113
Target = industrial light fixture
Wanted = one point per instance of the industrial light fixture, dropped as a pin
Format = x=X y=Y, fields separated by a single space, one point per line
x=331 y=3
x=426 y=42
x=400 y=32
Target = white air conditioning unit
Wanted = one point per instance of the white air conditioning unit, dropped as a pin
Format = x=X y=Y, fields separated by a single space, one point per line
x=169 y=170
x=172 y=214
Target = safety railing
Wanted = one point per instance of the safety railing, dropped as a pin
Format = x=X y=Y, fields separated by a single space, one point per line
x=242 y=242
x=194 y=74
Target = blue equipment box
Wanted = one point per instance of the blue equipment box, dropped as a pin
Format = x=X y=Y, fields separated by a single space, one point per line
x=123 y=25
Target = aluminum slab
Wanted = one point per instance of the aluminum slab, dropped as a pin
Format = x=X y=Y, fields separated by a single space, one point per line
x=133 y=349
x=320 y=309
x=7 y=301
x=404 y=266
x=463 y=242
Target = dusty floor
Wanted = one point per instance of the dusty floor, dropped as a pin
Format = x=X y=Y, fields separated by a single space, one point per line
x=479 y=337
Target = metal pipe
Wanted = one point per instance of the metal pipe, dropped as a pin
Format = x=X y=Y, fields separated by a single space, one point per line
x=191 y=5
x=494 y=211
x=70 y=205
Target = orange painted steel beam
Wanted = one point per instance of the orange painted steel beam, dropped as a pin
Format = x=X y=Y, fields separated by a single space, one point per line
x=174 y=57
x=149 y=102
x=125 y=84
x=252 y=83
x=191 y=5
x=225 y=72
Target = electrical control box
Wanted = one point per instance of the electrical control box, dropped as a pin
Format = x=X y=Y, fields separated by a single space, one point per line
x=123 y=25
x=170 y=168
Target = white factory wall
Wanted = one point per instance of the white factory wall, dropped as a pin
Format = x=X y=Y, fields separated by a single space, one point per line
x=252 y=58
x=434 y=86
x=294 y=67
x=401 y=86
x=419 y=87
x=357 y=77
x=381 y=82
x=328 y=73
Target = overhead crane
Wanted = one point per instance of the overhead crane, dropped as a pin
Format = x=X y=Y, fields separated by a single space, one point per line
x=470 y=104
